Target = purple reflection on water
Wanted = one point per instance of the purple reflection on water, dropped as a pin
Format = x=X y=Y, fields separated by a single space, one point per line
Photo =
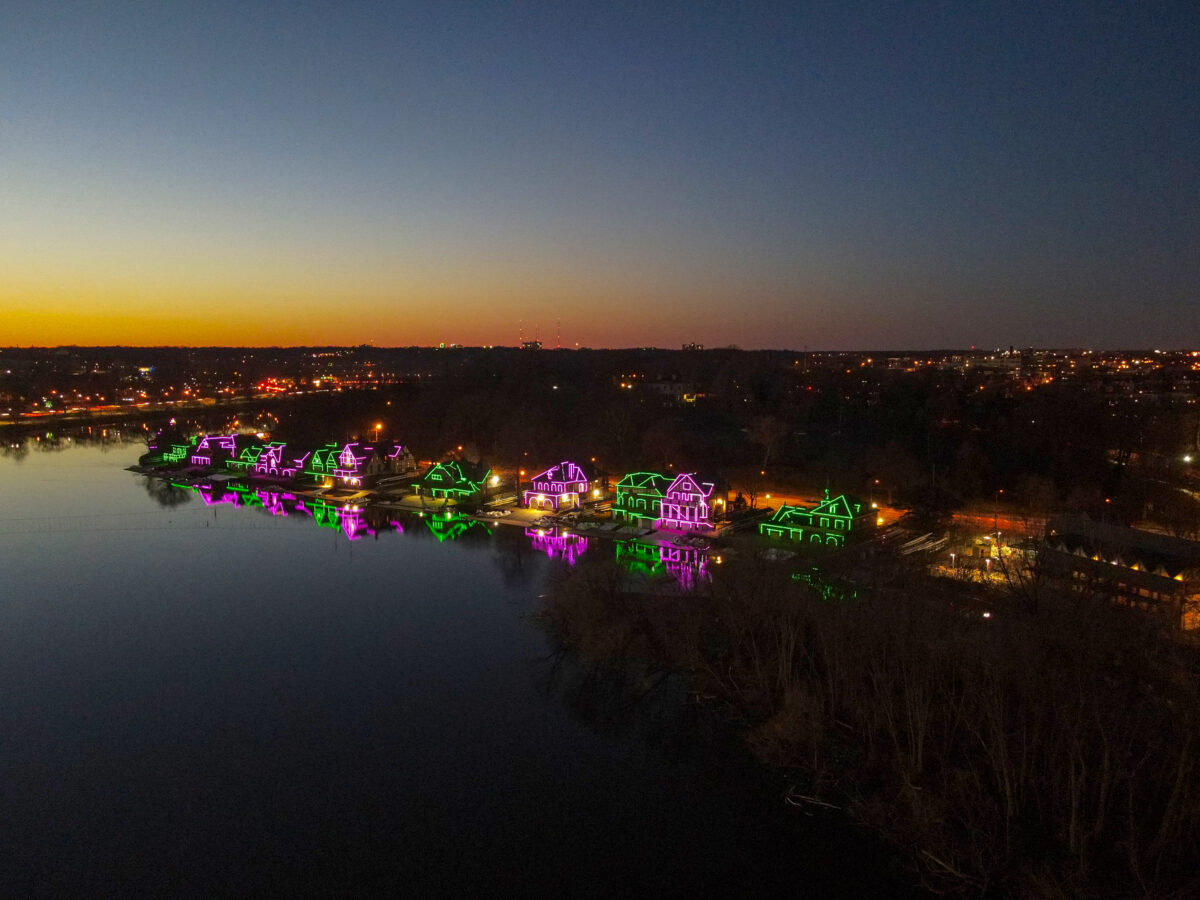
x=277 y=503
x=353 y=524
x=215 y=497
x=687 y=565
x=567 y=547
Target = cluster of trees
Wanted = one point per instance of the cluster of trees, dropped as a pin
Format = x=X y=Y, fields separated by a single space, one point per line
x=1061 y=445
x=931 y=437
x=1047 y=750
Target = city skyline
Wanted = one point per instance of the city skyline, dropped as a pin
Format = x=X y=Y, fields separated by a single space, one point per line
x=863 y=176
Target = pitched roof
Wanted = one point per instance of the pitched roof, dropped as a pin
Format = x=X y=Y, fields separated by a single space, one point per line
x=841 y=505
x=1152 y=552
x=786 y=514
x=565 y=471
x=646 y=481
x=453 y=471
x=323 y=457
x=686 y=481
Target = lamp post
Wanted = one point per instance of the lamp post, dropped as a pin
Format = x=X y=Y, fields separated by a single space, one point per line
x=996 y=521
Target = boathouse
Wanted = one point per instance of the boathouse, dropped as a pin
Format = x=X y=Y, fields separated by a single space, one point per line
x=686 y=504
x=560 y=487
x=828 y=523
x=639 y=497
x=452 y=480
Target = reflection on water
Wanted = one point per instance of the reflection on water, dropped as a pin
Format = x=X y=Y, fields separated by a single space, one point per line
x=450 y=525
x=352 y=520
x=827 y=587
x=687 y=565
x=556 y=544
x=167 y=494
x=620 y=697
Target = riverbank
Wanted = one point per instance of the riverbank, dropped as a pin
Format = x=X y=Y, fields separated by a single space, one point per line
x=393 y=497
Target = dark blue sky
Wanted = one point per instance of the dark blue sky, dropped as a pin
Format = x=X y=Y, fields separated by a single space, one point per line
x=820 y=175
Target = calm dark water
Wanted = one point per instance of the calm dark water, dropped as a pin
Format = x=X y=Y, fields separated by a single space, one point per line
x=200 y=702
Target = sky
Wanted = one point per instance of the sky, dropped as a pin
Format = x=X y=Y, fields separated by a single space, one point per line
x=833 y=175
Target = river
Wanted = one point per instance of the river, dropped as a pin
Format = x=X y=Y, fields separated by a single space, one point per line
x=204 y=700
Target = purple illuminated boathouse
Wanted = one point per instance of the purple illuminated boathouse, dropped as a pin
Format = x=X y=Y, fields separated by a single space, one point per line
x=559 y=487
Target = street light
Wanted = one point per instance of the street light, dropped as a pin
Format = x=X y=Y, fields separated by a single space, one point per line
x=997 y=520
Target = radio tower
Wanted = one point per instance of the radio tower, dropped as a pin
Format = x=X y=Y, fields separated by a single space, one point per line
x=558 y=334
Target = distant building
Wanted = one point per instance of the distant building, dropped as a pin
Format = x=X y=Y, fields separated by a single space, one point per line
x=323 y=463
x=246 y=458
x=218 y=450
x=354 y=464
x=669 y=391
x=274 y=462
x=639 y=497
x=531 y=345
x=176 y=453
x=169 y=450
x=829 y=523
x=1140 y=569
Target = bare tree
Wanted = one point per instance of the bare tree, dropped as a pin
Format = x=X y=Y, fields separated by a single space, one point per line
x=767 y=432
